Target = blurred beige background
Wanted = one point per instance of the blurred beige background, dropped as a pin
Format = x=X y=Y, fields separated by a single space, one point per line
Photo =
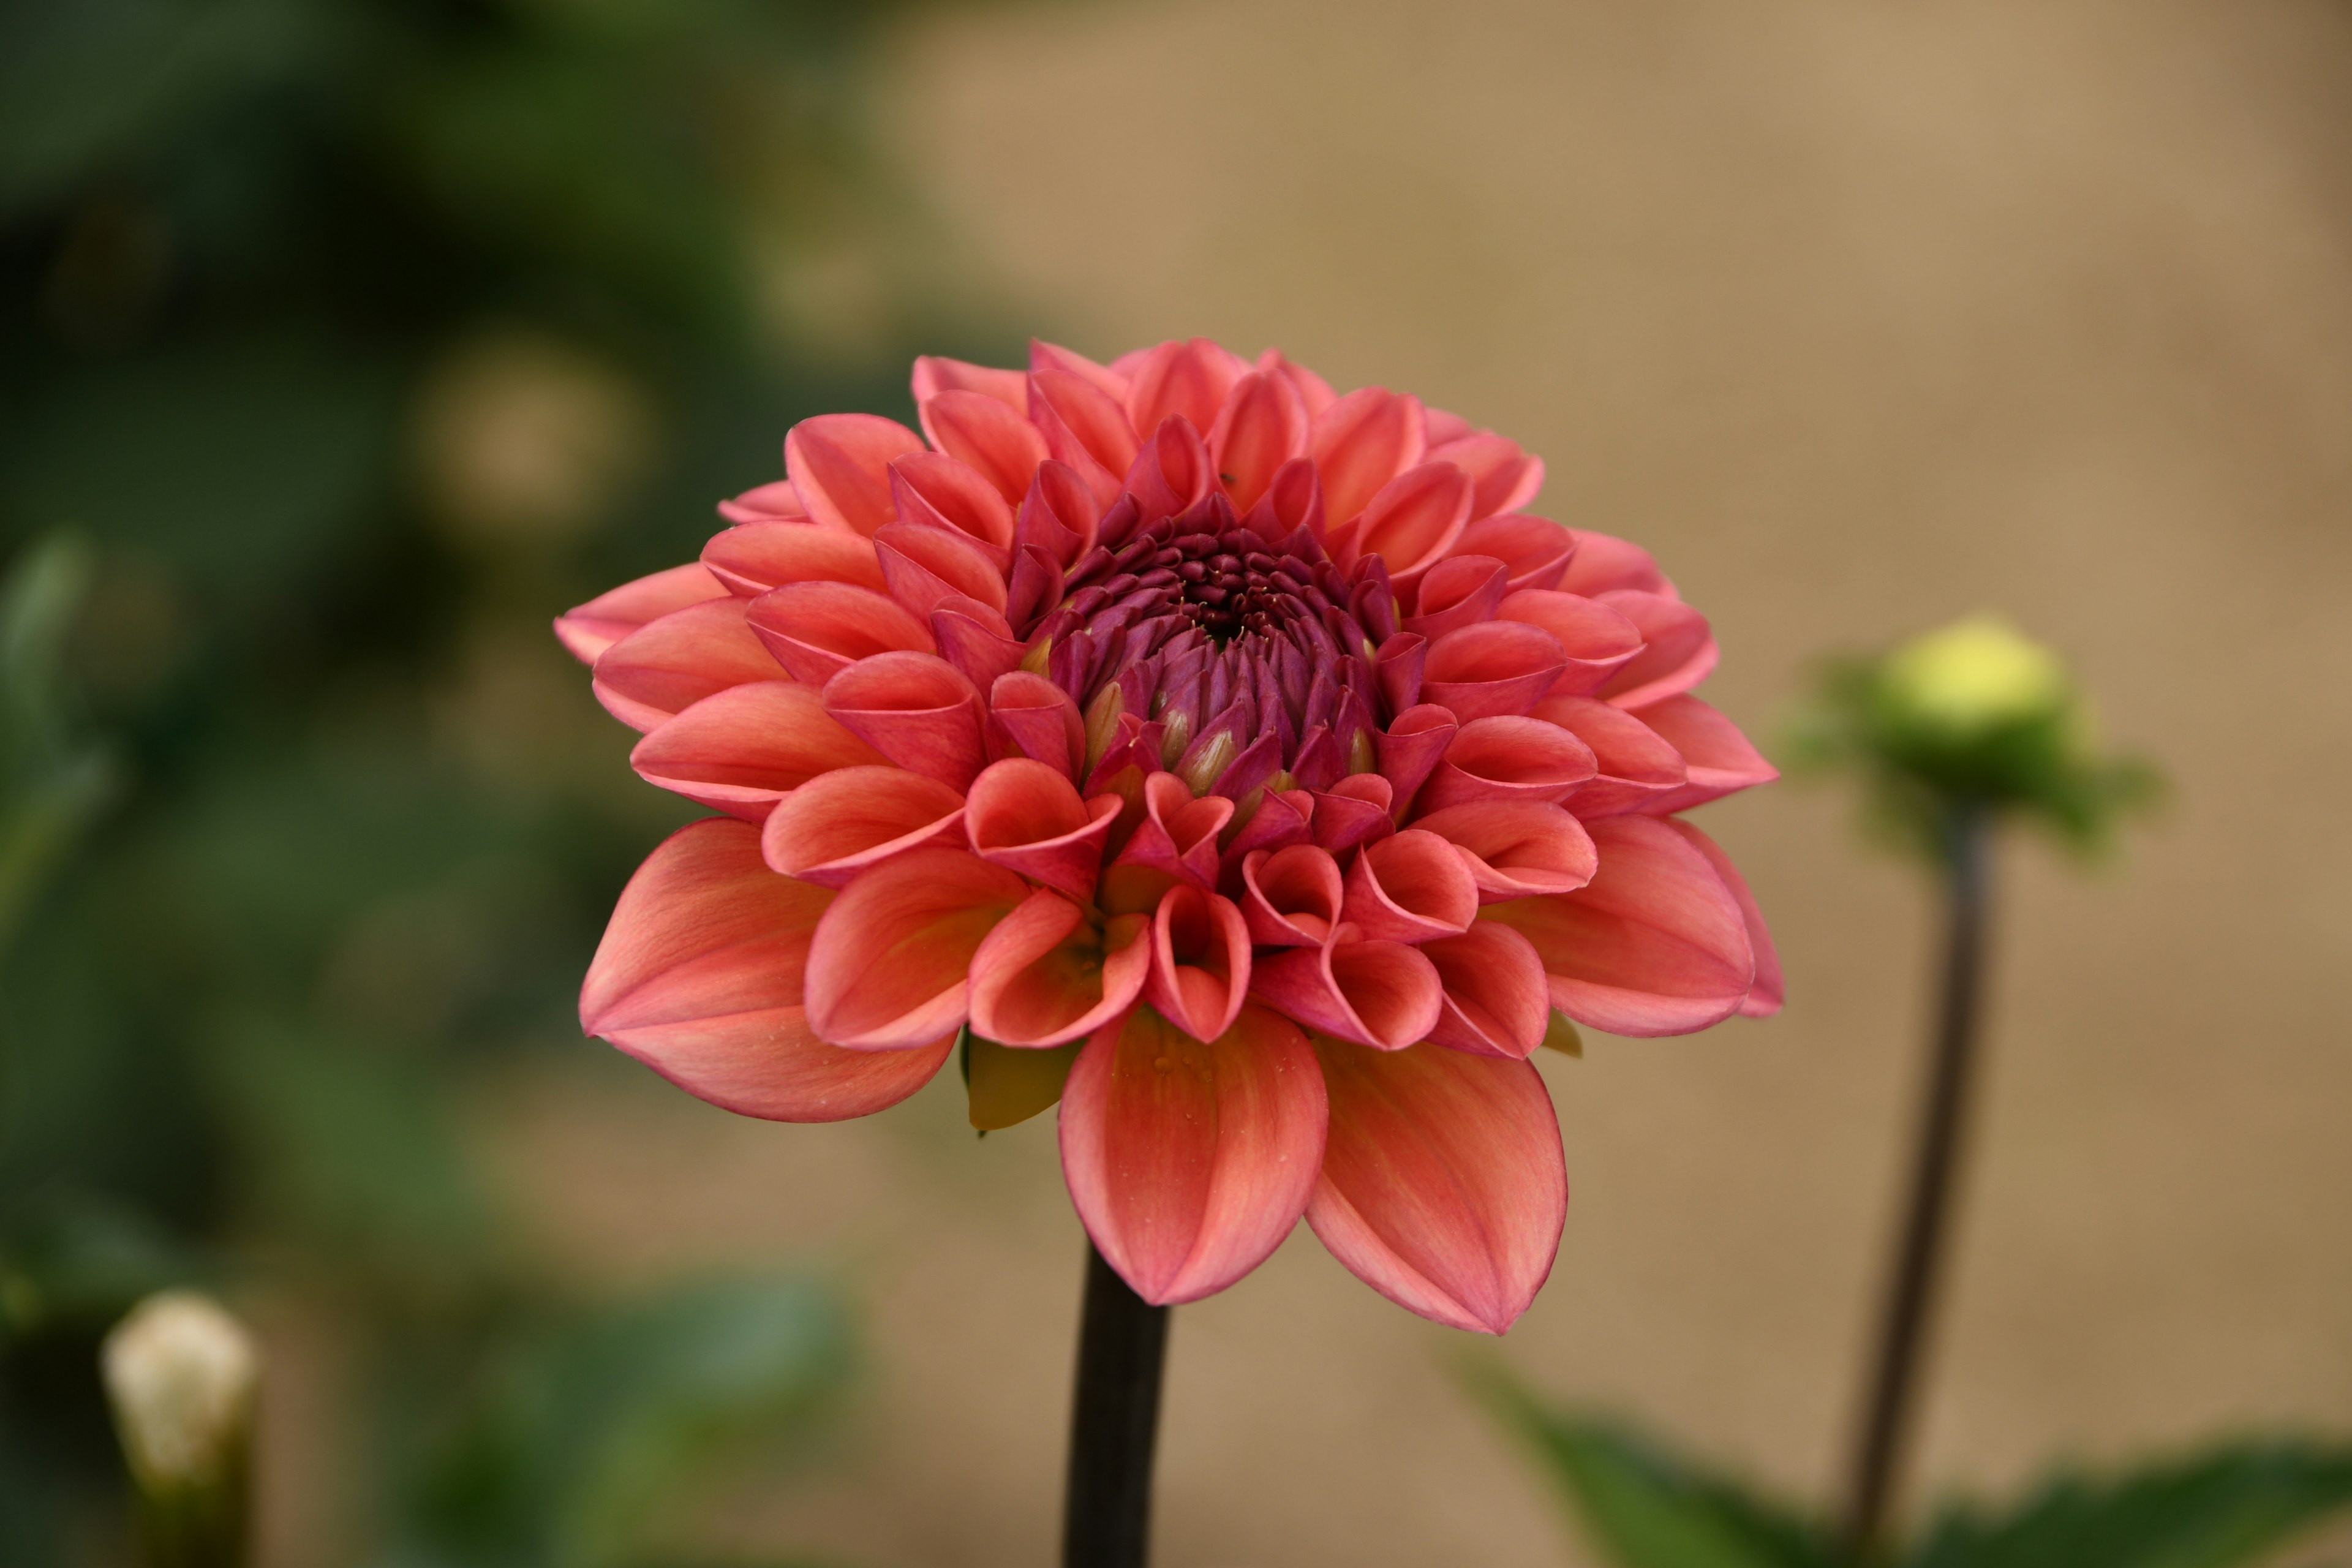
x=1863 y=316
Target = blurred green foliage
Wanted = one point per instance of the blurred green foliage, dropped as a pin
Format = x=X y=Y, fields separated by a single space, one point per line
x=342 y=343
x=1643 y=1505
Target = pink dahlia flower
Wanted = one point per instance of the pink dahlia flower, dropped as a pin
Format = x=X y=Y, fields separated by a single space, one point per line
x=1248 y=741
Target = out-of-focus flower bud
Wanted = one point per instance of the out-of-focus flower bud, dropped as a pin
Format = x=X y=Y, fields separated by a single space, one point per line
x=1972 y=678
x=181 y=1374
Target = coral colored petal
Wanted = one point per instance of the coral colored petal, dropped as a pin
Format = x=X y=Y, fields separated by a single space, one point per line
x=1416 y=519
x=1047 y=976
x=1029 y=716
x=935 y=373
x=831 y=829
x=1086 y=427
x=1655 y=945
x=1678 y=652
x=1046 y=356
x=1494 y=666
x=1598 y=641
x=774 y=502
x=667 y=665
x=1200 y=961
x=1459 y=591
x=1507 y=477
x=817 y=629
x=1024 y=815
x=587 y=630
x=1535 y=551
x=1604 y=562
x=1178 y=835
x=1313 y=390
x=1443 y=1184
x=1261 y=426
x=1186 y=379
x=931 y=488
x=1516 y=848
x=1292 y=897
x=840 y=468
x=754 y=557
x=1411 y=886
x=1720 y=759
x=1636 y=765
x=916 y=710
x=1498 y=999
x=1765 y=996
x=1380 y=993
x=1361 y=443
x=738 y=749
x=1187 y=1163
x=925 y=567
x=700 y=976
x=1507 y=759
x=1353 y=811
x=889 y=966
x=989 y=438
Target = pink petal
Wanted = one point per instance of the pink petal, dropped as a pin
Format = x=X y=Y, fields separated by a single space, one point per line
x=1085 y=426
x=754 y=557
x=1024 y=815
x=1445 y=427
x=935 y=373
x=1495 y=667
x=1178 y=835
x=1655 y=945
x=992 y=439
x=1282 y=818
x=1261 y=426
x=1443 y=1186
x=1598 y=641
x=1200 y=961
x=1293 y=501
x=1170 y=471
x=1044 y=356
x=1188 y=379
x=974 y=639
x=738 y=749
x=669 y=664
x=589 y=629
x=1048 y=974
x=817 y=629
x=840 y=468
x=1292 y=897
x=1507 y=477
x=1720 y=759
x=700 y=977
x=1679 y=649
x=1636 y=765
x=774 y=502
x=888 y=969
x=1413 y=522
x=831 y=828
x=1031 y=716
x=933 y=489
x=1380 y=993
x=1507 y=759
x=1411 y=886
x=1498 y=998
x=1604 y=562
x=925 y=566
x=1459 y=591
x=1188 y=1163
x=1361 y=443
x=916 y=710
x=1516 y=848
x=1764 y=997
x=1353 y=810
x=1535 y=550
x=1312 y=389
x=1414 y=746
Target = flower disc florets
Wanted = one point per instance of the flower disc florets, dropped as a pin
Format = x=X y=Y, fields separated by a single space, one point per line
x=1235 y=761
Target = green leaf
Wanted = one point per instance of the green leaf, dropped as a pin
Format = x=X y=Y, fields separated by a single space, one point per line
x=2228 y=1505
x=1644 y=1506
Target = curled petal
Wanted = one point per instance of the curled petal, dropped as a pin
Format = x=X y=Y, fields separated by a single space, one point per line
x=1415 y=745
x=668 y=664
x=1655 y=944
x=1494 y=666
x=935 y=373
x=840 y=468
x=1261 y=426
x=1636 y=765
x=1048 y=976
x=1312 y=389
x=1379 y=994
x=1677 y=651
x=1178 y=835
x=1764 y=997
x=934 y=489
x=1292 y=897
x=754 y=557
x=1352 y=811
x=1083 y=427
x=587 y=630
x=1187 y=1163
x=1459 y=591
x=1505 y=476
x=1281 y=818
x=831 y=828
x=775 y=502
x=1200 y=961
x=1507 y=759
x=926 y=567
x=1516 y=848
x=1414 y=519
x=738 y=749
x=889 y=967
x=1170 y=471
x=1113 y=381
x=1598 y=641
x=1361 y=443
x=1411 y=886
x=1187 y=379
x=1031 y=716
x=916 y=710
x=817 y=629
x=700 y=976
x=1604 y=562
x=972 y=638
x=1719 y=758
x=1498 y=1000
x=1024 y=815
x=1535 y=551
x=1444 y=1185
x=989 y=438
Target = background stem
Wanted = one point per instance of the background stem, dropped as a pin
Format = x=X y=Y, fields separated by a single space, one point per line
x=1904 y=1322
x=1114 y=1422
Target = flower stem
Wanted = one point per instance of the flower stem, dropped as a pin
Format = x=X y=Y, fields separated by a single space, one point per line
x=1114 y=1420
x=1904 y=1322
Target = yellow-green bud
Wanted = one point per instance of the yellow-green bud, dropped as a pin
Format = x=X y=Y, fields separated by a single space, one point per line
x=1972 y=678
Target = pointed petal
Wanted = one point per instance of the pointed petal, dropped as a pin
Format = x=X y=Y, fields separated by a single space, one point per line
x=1047 y=976
x=931 y=488
x=1678 y=652
x=840 y=468
x=995 y=441
x=935 y=373
x=831 y=828
x=668 y=664
x=1655 y=945
x=754 y=557
x=1516 y=848
x=1604 y=562
x=1030 y=715
x=1636 y=765
x=700 y=977
x=1444 y=1185
x=1494 y=666
x=1413 y=522
x=1411 y=886
x=738 y=749
x=1188 y=1163
x=1024 y=815
x=1535 y=550
x=1352 y=811
x=1507 y=759
x=1505 y=476
x=817 y=629
x=1459 y=591
x=1261 y=426
x=776 y=501
x=1379 y=994
x=1498 y=1000
x=587 y=630
x=1765 y=996
x=889 y=966
x=1719 y=758
x=916 y=710
x=1361 y=443
x=1598 y=641
x=1188 y=378
x=1200 y=961
x=1179 y=833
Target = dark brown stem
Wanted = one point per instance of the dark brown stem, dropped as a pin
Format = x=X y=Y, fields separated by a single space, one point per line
x=1114 y=1421
x=1906 y=1319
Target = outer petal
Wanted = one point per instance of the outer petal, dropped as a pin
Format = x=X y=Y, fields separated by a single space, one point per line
x=1598 y=641
x=1411 y=886
x=1636 y=766
x=1720 y=759
x=1604 y=562
x=1497 y=1001
x=1261 y=426
x=1413 y=522
x=840 y=468
x=1187 y=1163
x=1048 y=975
x=1361 y=443
x=1443 y=1186
x=831 y=829
x=817 y=629
x=1507 y=759
x=1535 y=550
x=1507 y=477
x=916 y=710
x=738 y=749
x=587 y=630
x=1459 y=591
x=1679 y=649
x=754 y=557
x=775 y=502
x=889 y=967
x=1379 y=994
x=1292 y=897
x=989 y=436
x=1656 y=944
x=934 y=489
x=1029 y=716
x=1765 y=996
x=1190 y=378
x=667 y=665
x=700 y=977
x=1491 y=667
x=935 y=373
x=1517 y=849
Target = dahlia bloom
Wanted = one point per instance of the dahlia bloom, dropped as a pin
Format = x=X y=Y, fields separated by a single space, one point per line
x=1239 y=759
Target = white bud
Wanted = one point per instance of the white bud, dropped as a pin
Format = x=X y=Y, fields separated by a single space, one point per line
x=181 y=1374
